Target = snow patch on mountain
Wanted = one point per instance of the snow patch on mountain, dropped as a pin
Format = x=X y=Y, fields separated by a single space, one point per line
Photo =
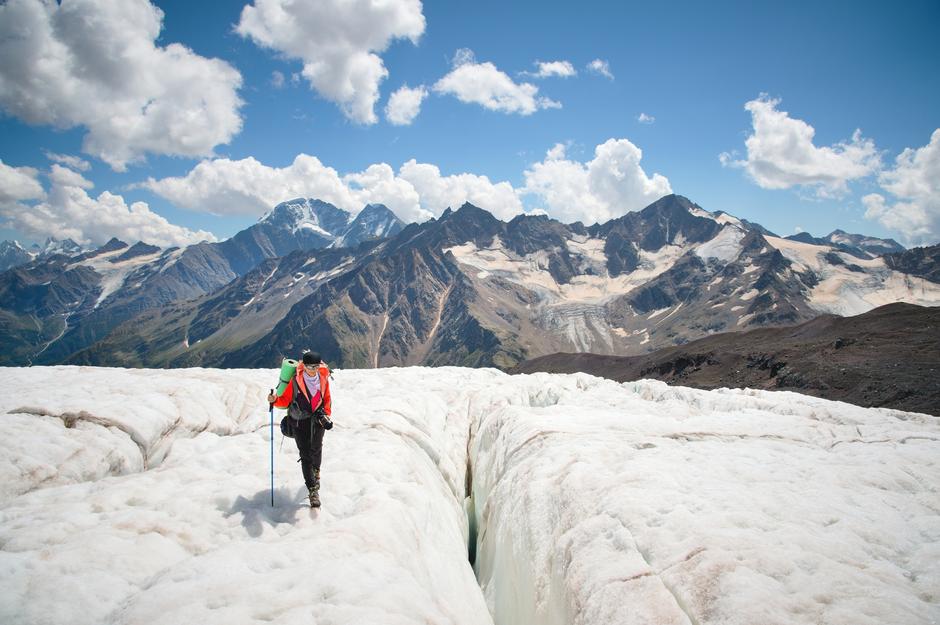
x=720 y=217
x=590 y=252
x=725 y=246
x=315 y=227
x=260 y=290
x=843 y=294
x=335 y=271
x=170 y=258
x=531 y=271
x=114 y=274
x=856 y=285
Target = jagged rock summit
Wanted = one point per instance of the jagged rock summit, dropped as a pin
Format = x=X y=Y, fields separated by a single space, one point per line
x=12 y=254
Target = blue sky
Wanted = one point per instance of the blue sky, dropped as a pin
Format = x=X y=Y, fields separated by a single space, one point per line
x=233 y=135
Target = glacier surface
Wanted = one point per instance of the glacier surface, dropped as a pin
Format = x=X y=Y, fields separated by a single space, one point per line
x=142 y=496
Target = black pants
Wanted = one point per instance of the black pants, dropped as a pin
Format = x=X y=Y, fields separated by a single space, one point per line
x=310 y=446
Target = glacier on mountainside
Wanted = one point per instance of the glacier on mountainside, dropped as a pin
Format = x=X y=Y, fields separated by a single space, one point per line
x=142 y=496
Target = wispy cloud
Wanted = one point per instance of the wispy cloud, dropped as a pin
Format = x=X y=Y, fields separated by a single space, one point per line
x=69 y=161
x=601 y=67
x=560 y=69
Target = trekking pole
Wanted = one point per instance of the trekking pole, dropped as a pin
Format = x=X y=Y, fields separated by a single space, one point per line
x=271 y=411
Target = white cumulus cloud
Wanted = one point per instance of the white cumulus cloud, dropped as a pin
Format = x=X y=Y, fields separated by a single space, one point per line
x=606 y=187
x=19 y=183
x=781 y=154
x=223 y=186
x=601 y=67
x=67 y=211
x=405 y=104
x=915 y=183
x=378 y=184
x=439 y=192
x=96 y=65
x=417 y=192
x=610 y=184
x=643 y=118
x=338 y=42
x=484 y=84
x=547 y=69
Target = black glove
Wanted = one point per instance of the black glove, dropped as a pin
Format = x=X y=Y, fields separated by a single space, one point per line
x=323 y=420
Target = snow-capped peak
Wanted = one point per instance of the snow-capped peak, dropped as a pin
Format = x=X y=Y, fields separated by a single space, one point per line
x=65 y=246
x=307 y=214
x=720 y=217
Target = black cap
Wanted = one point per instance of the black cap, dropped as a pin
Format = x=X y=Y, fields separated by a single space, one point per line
x=311 y=358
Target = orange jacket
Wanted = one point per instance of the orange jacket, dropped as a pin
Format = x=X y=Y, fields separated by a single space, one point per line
x=297 y=381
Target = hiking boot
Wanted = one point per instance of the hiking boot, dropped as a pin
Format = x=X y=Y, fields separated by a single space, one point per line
x=314 y=491
x=314 y=495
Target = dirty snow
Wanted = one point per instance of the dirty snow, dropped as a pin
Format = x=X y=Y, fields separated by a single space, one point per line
x=532 y=272
x=842 y=291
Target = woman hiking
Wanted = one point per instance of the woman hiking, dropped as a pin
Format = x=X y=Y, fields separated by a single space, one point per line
x=307 y=399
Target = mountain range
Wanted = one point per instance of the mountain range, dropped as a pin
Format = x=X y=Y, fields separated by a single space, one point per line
x=465 y=288
x=62 y=303
x=12 y=254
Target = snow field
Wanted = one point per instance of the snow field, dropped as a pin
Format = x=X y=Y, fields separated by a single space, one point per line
x=592 y=502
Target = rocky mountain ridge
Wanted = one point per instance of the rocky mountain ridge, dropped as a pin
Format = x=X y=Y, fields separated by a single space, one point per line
x=857 y=245
x=469 y=289
x=59 y=304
